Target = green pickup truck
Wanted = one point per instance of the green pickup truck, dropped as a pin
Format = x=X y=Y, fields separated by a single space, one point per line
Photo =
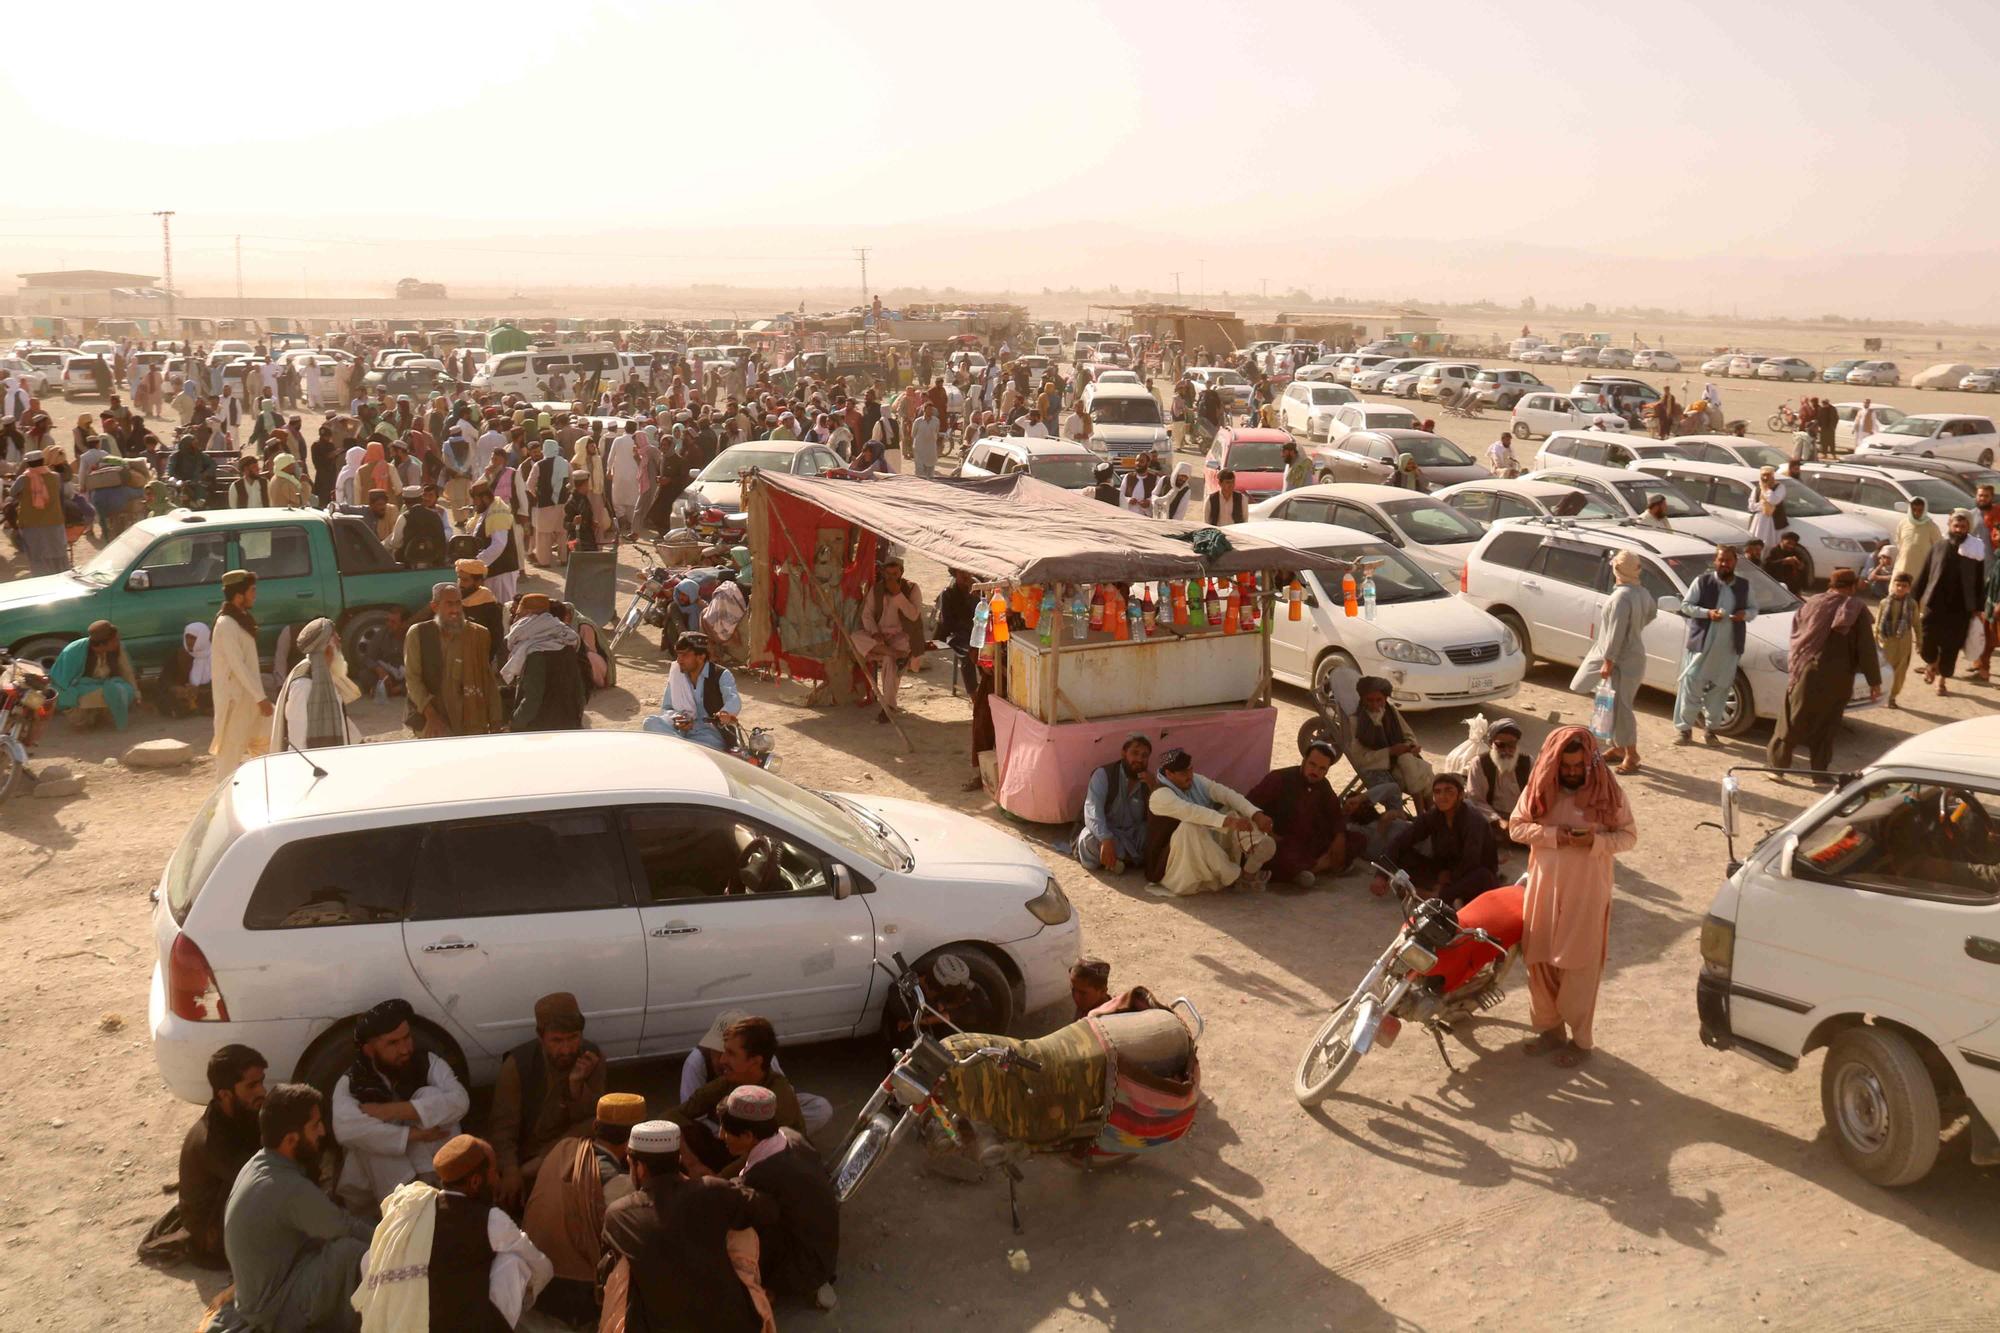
x=164 y=573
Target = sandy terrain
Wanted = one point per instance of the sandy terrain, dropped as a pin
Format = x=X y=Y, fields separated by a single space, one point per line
x=1666 y=1186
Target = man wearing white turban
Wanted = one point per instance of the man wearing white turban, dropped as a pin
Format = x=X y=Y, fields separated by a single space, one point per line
x=311 y=711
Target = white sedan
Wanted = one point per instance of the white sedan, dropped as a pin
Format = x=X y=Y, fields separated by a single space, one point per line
x=1937 y=435
x=1306 y=407
x=1434 y=535
x=1656 y=358
x=1539 y=414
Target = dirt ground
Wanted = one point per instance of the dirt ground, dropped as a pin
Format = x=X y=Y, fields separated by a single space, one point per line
x=1664 y=1186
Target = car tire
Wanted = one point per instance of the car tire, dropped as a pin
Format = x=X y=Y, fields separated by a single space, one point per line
x=1880 y=1106
x=361 y=631
x=1520 y=628
x=43 y=648
x=1738 y=720
x=1521 y=432
x=1986 y=458
x=1334 y=659
x=993 y=1008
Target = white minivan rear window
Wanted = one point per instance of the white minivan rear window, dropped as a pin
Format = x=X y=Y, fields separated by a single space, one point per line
x=207 y=838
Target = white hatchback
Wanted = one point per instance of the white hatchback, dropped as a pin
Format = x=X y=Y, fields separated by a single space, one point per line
x=1435 y=536
x=471 y=876
x=1970 y=439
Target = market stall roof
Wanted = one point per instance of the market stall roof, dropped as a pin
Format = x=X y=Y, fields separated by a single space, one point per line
x=1027 y=531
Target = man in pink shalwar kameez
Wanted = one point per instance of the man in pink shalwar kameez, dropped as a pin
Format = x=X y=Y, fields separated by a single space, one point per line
x=1573 y=818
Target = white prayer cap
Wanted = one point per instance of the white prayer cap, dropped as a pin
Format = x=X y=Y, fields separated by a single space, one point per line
x=655 y=1136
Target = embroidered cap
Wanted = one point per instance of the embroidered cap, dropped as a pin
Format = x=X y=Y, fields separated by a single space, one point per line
x=621 y=1108
x=659 y=1137
x=751 y=1103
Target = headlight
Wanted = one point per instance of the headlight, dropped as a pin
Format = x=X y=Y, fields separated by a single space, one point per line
x=1416 y=958
x=1509 y=645
x=1781 y=660
x=1402 y=650
x=1840 y=544
x=1051 y=908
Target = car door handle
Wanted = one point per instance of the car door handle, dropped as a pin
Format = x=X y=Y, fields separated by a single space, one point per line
x=1983 y=949
x=450 y=946
x=667 y=932
x=1531 y=585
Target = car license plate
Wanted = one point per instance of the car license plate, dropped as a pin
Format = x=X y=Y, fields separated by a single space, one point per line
x=1481 y=682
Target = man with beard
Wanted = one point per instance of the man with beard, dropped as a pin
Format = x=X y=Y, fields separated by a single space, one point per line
x=446 y=1258
x=547 y=1092
x=1384 y=751
x=392 y=1107
x=564 y=1215
x=214 y=1151
x=1833 y=636
x=1113 y=832
x=1496 y=778
x=1573 y=819
x=1306 y=818
x=1203 y=836
x=295 y=1255
x=448 y=672
x=1951 y=588
x=797 y=1214
x=1717 y=607
x=1458 y=859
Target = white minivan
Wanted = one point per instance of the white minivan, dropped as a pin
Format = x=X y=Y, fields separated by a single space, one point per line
x=660 y=882
x=1870 y=926
x=525 y=372
x=1437 y=650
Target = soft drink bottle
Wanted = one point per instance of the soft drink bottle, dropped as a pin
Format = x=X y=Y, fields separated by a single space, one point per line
x=1368 y=596
x=1179 y=605
x=1149 y=615
x=1046 y=615
x=1295 y=601
x=1032 y=603
x=1347 y=591
x=1114 y=615
x=1232 y=616
x=999 y=616
x=1197 y=605
x=1097 y=606
x=1216 y=604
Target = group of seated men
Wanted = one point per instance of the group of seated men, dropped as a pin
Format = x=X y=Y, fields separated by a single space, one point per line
x=580 y=1203
x=1190 y=833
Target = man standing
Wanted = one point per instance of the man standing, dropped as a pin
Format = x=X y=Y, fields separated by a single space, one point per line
x=1298 y=468
x=418 y=539
x=1112 y=835
x=798 y=1216
x=1986 y=524
x=1224 y=506
x=1500 y=460
x=482 y=605
x=238 y=682
x=1826 y=421
x=1717 y=608
x=448 y=671
x=1893 y=632
x=667 y=1261
x=1203 y=836
x=1306 y=818
x=621 y=470
x=543 y=666
x=392 y=1107
x=1141 y=484
x=1951 y=588
x=564 y=1215
x=311 y=712
x=1916 y=533
x=492 y=522
x=1831 y=639
x=1384 y=751
x=294 y=1254
x=1462 y=859
x=214 y=1151
x=923 y=437
x=547 y=1092
x=39 y=522
x=1573 y=819
x=446 y=1258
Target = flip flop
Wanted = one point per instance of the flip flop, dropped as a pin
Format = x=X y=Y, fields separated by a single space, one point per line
x=1542 y=1043
x=1572 y=1055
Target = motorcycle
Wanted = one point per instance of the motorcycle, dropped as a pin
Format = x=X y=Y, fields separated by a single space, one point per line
x=648 y=606
x=755 y=745
x=1435 y=972
x=26 y=702
x=970 y=1121
x=1784 y=418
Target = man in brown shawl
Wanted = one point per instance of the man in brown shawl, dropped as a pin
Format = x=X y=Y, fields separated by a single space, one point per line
x=565 y=1213
x=1832 y=638
x=448 y=671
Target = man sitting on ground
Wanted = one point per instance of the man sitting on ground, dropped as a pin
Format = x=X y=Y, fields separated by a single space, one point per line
x=1497 y=777
x=295 y=1256
x=1306 y=818
x=547 y=1092
x=1089 y=984
x=1203 y=836
x=1384 y=751
x=710 y=1060
x=1112 y=835
x=565 y=1212
x=699 y=696
x=214 y=1151
x=392 y=1108
x=749 y=1046
x=669 y=1260
x=1459 y=859
x=798 y=1217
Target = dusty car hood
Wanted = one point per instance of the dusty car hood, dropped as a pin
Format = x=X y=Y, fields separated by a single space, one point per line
x=44 y=591
x=953 y=845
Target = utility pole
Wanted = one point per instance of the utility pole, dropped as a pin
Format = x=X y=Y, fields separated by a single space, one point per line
x=239 y=275
x=861 y=253
x=166 y=217
x=1264 y=288
x=1177 y=286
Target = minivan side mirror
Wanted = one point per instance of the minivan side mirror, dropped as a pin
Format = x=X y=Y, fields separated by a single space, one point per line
x=1669 y=606
x=138 y=581
x=843 y=883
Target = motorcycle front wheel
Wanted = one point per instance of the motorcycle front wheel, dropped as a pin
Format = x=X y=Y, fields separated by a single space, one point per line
x=10 y=768
x=1328 y=1058
x=868 y=1145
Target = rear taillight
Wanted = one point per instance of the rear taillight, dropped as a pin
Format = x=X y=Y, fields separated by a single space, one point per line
x=1465 y=577
x=191 y=990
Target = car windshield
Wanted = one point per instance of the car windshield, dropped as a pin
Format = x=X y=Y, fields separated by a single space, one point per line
x=1391 y=418
x=1762 y=455
x=1330 y=393
x=1397 y=577
x=729 y=462
x=1636 y=494
x=1771 y=596
x=1126 y=412
x=1581 y=504
x=1586 y=403
x=1804 y=501
x=1430 y=450
x=1068 y=471
x=1256 y=456
x=1940 y=497
x=1430 y=523
x=1229 y=378
x=835 y=818
x=1920 y=427
x=112 y=562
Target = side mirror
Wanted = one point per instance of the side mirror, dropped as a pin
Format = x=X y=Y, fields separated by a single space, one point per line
x=1730 y=787
x=138 y=581
x=1787 y=853
x=1670 y=606
x=1902 y=506
x=843 y=883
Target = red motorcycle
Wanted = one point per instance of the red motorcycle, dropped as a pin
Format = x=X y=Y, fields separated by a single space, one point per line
x=26 y=703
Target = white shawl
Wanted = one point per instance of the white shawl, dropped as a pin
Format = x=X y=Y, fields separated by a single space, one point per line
x=395 y=1291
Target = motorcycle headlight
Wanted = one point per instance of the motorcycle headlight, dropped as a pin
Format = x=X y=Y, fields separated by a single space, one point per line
x=1781 y=660
x=1051 y=907
x=1402 y=650
x=1416 y=958
x=1841 y=544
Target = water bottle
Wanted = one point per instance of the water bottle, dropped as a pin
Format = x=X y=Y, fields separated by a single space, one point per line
x=1368 y=596
x=1047 y=617
x=1135 y=618
x=979 y=614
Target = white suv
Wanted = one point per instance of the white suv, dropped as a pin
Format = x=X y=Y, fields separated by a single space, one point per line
x=470 y=876
x=1548 y=580
x=1831 y=540
x=1870 y=926
x=1306 y=407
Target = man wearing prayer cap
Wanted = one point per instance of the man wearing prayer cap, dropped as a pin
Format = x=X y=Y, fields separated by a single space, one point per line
x=311 y=712
x=380 y=513
x=547 y=1092
x=679 y=1254
x=712 y=1059
x=237 y=677
x=446 y=1258
x=798 y=1215
x=393 y=1107
x=1089 y=984
x=544 y=668
x=421 y=532
x=1496 y=778
x=579 y=1179
x=448 y=671
x=1383 y=749
x=1202 y=835
x=483 y=606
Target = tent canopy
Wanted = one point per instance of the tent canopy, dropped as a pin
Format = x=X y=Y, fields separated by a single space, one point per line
x=1018 y=529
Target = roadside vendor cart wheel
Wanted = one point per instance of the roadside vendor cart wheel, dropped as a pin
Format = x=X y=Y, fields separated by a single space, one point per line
x=1880 y=1105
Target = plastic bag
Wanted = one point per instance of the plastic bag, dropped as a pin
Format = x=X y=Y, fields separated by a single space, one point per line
x=1466 y=753
x=1975 y=641
x=1603 y=710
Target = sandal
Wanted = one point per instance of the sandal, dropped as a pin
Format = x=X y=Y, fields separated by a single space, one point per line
x=1544 y=1042
x=1572 y=1055
x=1631 y=765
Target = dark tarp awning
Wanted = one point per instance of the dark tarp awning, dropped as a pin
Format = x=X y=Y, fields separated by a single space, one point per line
x=1018 y=529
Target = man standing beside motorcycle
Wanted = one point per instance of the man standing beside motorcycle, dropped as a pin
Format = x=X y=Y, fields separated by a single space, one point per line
x=1573 y=819
x=700 y=698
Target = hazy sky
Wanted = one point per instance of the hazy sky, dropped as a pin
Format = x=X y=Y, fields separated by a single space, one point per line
x=1829 y=158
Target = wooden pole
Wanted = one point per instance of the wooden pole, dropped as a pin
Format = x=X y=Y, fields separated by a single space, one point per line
x=1056 y=700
